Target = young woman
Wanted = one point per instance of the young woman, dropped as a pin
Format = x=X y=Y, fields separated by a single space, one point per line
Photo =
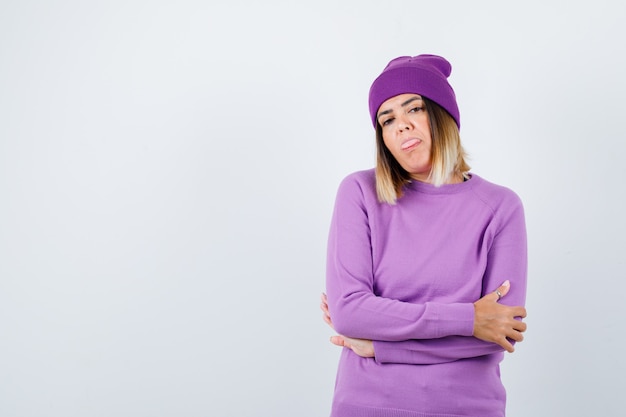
x=426 y=268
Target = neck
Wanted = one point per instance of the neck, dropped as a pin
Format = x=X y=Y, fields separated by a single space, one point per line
x=456 y=178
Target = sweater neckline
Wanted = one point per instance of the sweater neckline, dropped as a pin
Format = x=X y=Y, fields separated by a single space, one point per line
x=427 y=188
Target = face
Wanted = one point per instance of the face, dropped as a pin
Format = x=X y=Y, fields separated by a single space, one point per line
x=406 y=133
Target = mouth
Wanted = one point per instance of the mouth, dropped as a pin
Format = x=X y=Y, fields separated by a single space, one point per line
x=410 y=144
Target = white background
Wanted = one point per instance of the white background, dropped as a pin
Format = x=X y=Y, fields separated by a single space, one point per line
x=168 y=171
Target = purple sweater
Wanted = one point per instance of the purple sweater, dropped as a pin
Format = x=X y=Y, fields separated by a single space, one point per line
x=406 y=277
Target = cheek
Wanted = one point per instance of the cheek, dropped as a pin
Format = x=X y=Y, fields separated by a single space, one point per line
x=388 y=142
x=391 y=149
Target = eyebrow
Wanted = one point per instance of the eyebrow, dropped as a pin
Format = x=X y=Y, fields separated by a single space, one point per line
x=409 y=101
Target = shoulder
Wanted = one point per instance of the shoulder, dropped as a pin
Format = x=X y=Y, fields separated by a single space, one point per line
x=506 y=207
x=366 y=176
x=358 y=186
x=364 y=180
x=496 y=196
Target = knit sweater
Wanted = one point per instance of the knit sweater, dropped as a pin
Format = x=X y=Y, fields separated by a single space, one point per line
x=406 y=276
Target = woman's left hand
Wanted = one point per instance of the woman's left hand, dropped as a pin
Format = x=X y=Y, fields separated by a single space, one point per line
x=362 y=347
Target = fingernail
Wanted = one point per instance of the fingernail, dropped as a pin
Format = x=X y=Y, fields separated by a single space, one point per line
x=506 y=283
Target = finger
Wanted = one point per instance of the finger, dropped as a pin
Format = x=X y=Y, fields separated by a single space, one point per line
x=517 y=336
x=327 y=320
x=518 y=311
x=337 y=341
x=520 y=326
x=503 y=289
x=506 y=345
x=324 y=303
x=492 y=296
x=326 y=313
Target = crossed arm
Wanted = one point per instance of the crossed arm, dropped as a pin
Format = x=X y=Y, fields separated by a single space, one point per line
x=494 y=323
x=394 y=331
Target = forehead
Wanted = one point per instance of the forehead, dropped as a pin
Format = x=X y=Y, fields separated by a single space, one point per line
x=398 y=101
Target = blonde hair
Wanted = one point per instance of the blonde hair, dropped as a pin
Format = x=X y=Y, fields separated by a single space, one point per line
x=447 y=156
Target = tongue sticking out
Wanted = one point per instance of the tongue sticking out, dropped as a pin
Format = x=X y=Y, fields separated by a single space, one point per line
x=409 y=143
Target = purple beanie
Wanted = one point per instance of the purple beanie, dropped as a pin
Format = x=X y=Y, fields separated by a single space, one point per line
x=426 y=75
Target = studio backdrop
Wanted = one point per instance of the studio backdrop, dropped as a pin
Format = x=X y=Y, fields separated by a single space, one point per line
x=168 y=171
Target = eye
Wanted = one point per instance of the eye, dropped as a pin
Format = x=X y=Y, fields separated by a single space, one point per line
x=386 y=121
x=416 y=109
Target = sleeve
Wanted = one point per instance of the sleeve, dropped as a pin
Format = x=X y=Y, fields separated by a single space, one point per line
x=433 y=351
x=355 y=309
x=506 y=259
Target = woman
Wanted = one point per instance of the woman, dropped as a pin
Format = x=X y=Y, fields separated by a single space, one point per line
x=420 y=252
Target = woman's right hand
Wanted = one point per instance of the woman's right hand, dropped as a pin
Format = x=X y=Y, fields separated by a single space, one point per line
x=497 y=323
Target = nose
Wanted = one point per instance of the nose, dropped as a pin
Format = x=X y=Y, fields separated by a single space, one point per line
x=403 y=125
